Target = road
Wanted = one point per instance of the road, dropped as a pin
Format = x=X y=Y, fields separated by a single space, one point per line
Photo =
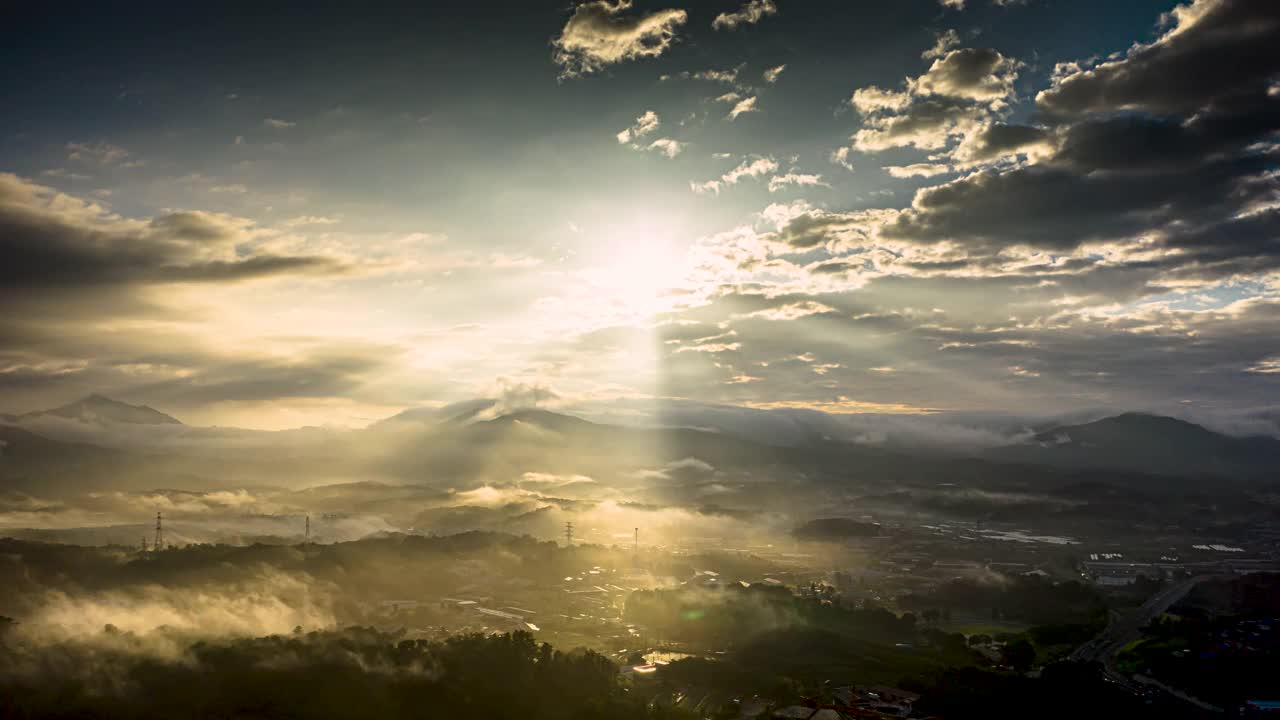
x=1125 y=628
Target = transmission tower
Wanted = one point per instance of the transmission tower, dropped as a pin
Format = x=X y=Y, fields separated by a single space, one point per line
x=306 y=537
x=144 y=543
x=159 y=545
x=568 y=534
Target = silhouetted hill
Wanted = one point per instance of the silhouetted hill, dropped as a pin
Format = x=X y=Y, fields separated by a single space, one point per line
x=459 y=412
x=100 y=409
x=1147 y=443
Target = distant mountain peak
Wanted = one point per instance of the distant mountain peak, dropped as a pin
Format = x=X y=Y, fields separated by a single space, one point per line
x=542 y=418
x=1147 y=443
x=1167 y=428
x=102 y=409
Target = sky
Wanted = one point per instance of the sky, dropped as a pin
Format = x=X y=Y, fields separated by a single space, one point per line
x=276 y=215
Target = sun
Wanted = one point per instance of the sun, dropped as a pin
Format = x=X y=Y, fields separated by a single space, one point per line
x=636 y=265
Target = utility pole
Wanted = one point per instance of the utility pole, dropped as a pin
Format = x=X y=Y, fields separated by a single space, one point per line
x=636 y=550
x=306 y=538
x=159 y=538
x=568 y=534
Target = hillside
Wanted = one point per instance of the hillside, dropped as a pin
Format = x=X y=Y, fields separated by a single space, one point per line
x=1144 y=443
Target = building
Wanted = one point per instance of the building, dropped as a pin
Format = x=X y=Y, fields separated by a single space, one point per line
x=1262 y=708
x=794 y=712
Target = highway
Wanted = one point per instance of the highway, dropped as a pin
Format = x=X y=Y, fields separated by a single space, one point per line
x=1125 y=628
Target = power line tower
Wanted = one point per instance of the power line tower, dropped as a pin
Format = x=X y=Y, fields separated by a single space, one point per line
x=144 y=543
x=306 y=537
x=159 y=544
x=568 y=534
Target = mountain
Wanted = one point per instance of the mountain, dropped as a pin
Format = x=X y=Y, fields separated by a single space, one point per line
x=103 y=410
x=1146 y=443
x=459 y=412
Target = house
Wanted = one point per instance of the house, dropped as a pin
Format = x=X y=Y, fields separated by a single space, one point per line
x=753 y=708
x=887 y=700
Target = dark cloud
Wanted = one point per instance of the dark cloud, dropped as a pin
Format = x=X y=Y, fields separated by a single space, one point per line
x=1154 y=144
x=50 y=242
x=1214 y=51
x=324 y=373
x=1000 y=140
x=1060 y=208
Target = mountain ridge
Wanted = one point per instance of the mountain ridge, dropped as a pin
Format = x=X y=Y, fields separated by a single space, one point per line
x=97 y=408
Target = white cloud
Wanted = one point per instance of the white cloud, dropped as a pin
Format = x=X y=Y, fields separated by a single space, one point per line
x=772 y=74
x=840 y=156
x=780 y=182
x=645 y=124
x=749 y=14
x=952 y=4
x=972 y=73
x=746 y=105
x=747 y=169
x=962 y=91
x=917 y=170
x=601 y=33
x=310 y=220
x=102 y=153
x=872 y=99
x=667 y=147
x=278 y=124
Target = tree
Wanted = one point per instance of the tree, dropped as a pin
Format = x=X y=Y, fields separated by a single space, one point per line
x=1019 y=654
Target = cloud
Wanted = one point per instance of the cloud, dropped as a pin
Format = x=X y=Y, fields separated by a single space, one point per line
x=98 y=153
x=945 y=43
x=749 y=14
x=959 y=93
x=1108 y=254
x=971 y=73
x=270 y=602
x=50 y=242
x=602 y=33
x=513 y=396
x=278 y=124
x=1000 y=140
x=840 y=156
x=917 y=170
x=872 y=99
x=645 y=124
x=666 y=146
x=1214 y=52
x=772 y=74
x=304 y=220
x=743 y=106
x=328 y=371
x=929 y=124
x=746 y=169
x=725 y=77
x=781 y=182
